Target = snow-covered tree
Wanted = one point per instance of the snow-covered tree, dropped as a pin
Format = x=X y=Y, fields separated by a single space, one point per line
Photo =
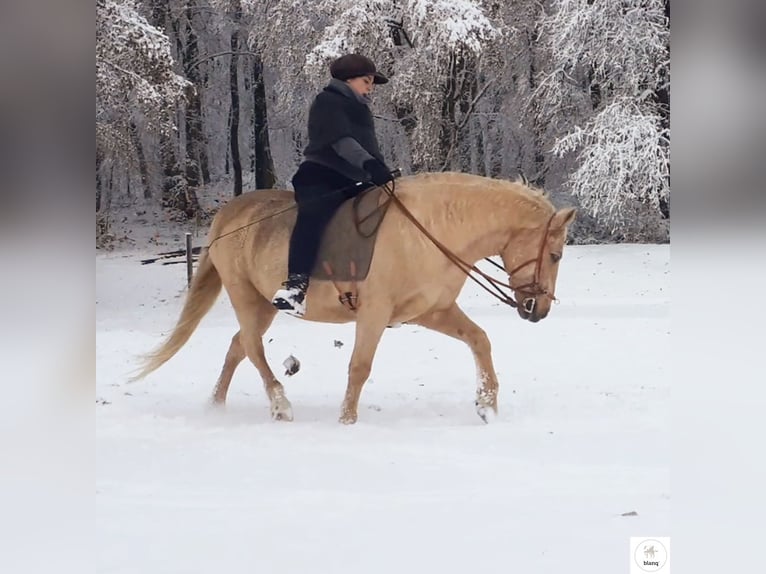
x=574 y=93
x=602 y=94
x=623 y=156
x=136 y=92
x=433 y=73
x=134 y=74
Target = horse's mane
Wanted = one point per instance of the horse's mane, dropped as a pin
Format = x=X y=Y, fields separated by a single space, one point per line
x=533 y=197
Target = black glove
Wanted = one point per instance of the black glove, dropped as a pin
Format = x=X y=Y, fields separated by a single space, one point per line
x=379 y=172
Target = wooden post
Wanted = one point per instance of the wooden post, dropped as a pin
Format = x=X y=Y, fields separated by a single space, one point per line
x=189 y=266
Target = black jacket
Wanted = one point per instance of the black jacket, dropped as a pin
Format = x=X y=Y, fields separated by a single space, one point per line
x=341 y=132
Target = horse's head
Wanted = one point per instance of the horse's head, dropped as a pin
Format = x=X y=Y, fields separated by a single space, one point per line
x=532 y=261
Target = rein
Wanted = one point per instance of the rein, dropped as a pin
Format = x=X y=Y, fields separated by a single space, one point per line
x=281 y=211
x=493 y=286
x=498 y=289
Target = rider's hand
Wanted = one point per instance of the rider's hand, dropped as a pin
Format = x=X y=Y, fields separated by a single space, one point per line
x=379 y=172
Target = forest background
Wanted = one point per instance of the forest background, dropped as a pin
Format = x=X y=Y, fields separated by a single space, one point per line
x=200 y=100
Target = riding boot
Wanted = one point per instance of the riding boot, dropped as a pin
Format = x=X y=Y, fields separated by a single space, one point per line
x=292 y=297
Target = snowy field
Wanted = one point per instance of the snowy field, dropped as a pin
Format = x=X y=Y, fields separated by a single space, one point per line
x=419 y=484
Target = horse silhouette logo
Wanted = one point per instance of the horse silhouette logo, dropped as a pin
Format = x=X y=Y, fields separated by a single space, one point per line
x=650 y=555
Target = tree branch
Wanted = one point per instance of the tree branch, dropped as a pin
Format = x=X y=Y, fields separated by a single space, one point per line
x=472 y=105
x=463 y=122
x=199 y=61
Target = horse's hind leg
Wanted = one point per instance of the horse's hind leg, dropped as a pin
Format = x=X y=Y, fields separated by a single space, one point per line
x=234 y=357
x=255 y=314
x=455 y=323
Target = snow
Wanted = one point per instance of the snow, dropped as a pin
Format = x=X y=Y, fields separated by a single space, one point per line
x=452 y=23
x=419 y=484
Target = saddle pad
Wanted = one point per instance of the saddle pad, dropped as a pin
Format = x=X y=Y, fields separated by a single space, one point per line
x=348 y=242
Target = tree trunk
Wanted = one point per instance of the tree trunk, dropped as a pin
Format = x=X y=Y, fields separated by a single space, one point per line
x=99 y=183
x=463 y=138
x=447 y=127
x=173 y=181
x=106 y=199
x=226 y=168
x=264 y=163
x=197 y=171
x=662 y=97
x=408 y=121
x=538 y=177
x=160 y=14
x=109 y=190
x=234 y=115
x=460 y=87
x=143 y=170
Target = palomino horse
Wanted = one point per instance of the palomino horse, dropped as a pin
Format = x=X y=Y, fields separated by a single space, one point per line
x=410 y=279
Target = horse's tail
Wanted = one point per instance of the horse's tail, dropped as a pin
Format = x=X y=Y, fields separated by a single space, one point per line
x=205 y=287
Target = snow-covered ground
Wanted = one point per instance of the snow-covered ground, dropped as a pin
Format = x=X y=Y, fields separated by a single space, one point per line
x=419 y=484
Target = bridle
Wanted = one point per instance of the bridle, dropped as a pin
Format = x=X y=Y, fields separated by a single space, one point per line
x=529 y=291
x=533 y=289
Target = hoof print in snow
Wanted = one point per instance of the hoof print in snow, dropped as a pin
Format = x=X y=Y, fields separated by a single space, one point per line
x=337 y=344
x=631 y=513
x=375 y=408
x=291 y=365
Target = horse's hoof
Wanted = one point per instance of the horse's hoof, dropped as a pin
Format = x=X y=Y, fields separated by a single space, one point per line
x=217 y=402
x=487 y=413
x=347 y=418
x=281 y=410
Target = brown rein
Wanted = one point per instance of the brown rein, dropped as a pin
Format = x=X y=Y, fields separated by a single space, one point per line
x=495 y=287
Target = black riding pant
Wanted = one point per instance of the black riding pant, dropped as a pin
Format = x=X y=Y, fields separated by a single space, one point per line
x=319 y=192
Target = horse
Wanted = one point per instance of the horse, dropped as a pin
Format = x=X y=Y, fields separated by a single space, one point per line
x=438 y=219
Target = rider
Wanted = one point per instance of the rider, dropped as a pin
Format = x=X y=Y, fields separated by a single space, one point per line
x=341 y=159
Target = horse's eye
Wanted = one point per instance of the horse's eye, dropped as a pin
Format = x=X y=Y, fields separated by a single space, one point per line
x=556 y=257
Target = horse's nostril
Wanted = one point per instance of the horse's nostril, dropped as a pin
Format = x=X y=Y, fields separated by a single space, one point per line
x=529 y=305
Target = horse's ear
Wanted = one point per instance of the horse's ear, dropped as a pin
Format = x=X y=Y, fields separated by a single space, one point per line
x=563 y=218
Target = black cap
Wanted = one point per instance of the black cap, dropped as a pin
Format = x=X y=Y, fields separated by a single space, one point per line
x=353 y=66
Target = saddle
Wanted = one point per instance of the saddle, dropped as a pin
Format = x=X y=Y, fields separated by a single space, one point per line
x=348 y=243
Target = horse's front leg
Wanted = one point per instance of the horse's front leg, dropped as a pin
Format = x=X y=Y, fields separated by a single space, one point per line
x=369 y=330
x=455 y=323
